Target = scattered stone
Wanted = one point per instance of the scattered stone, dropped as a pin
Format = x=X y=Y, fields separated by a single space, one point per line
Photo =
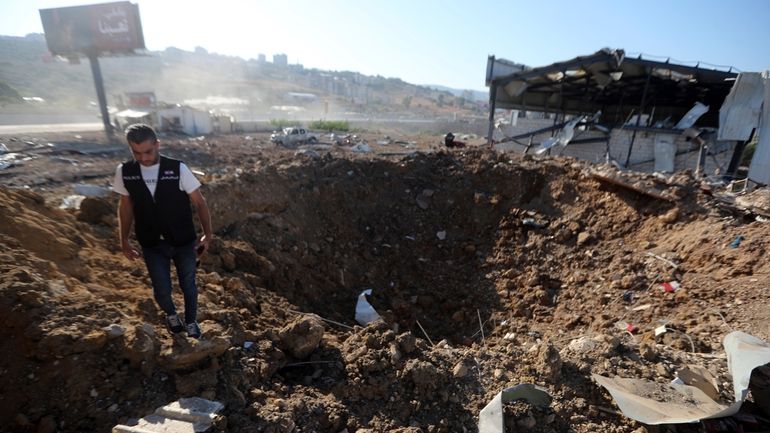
x=302 y=336
x=583 y=238
x=670 y=217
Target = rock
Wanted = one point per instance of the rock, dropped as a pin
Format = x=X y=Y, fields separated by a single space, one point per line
x=582 y=345
x=670 y=216
x=549 y=362
x=583 y=238
x=302 y=336
x=90 y=342
x=647 y=351
x=94 y=209
x=114 y=331
x=228 y=260
x=460 y=370
x=176 y=358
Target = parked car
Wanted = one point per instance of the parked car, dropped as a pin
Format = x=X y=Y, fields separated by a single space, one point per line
x=292 y=137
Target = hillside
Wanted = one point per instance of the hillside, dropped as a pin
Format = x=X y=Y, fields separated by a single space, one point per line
x=176 y=75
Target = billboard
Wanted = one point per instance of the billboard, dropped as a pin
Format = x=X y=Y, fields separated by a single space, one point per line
x=93 y=29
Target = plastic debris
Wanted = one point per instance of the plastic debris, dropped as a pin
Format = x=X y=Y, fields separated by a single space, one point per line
x=737 y=241
x=625 y=326
x=670 y=287
x=530 y=222
x=365 y=313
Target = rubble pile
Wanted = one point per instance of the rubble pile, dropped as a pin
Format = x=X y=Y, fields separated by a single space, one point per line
x=488 y=270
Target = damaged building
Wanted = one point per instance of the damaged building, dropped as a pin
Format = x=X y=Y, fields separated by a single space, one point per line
x=647 y=115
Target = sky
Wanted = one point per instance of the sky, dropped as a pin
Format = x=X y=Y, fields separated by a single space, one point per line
x=443 y=42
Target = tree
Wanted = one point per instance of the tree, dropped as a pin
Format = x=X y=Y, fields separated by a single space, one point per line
x=406 y=102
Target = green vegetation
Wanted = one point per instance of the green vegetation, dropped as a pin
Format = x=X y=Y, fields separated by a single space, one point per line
x=283 y=123
x=330 y=125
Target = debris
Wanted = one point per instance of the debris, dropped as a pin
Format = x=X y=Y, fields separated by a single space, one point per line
x=670 y=287
x=663 y=259
x=583 y=238
x=670 y=217
x=656 y=403
x=617 y=178
x=441 y=235
x=562 y=138
x=491 y=418
x=114 y=331
x=302 y=336
x=582 y=345
x=361 y=148
x=692 y=116
x=700 y=378
x=530 y=222
x=72 y=201
x=737 y=241
x=91 y=190
x=365 y=313
x=193 y=414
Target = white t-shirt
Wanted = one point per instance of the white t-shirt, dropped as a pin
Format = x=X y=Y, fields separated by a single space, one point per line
x=187 y=181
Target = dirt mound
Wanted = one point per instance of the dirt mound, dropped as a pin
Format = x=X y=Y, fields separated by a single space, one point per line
x=488 y=272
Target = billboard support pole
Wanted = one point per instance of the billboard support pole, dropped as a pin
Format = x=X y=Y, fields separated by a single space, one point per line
x=101 y=96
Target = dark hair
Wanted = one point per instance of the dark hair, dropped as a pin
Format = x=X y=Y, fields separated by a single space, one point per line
x=139 y=133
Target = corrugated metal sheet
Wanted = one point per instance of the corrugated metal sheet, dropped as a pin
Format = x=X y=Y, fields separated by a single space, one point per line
x=740 y=112
x=759 y=170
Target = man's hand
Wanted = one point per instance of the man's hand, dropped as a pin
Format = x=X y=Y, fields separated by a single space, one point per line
x=202 y=245
x=130 y=252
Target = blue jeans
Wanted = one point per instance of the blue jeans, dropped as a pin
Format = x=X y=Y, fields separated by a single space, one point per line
x=158 y=260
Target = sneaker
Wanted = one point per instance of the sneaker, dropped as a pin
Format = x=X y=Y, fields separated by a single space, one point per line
x=193 y=330
x=174 y=323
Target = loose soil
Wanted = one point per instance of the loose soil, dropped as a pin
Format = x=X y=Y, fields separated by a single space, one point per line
x=489 y=270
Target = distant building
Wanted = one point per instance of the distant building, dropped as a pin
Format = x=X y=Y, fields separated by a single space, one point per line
x=261 y=58
x=280 y=60
x=141 y=99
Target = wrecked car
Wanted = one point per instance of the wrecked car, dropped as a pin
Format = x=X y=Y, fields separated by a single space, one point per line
x=292 y=137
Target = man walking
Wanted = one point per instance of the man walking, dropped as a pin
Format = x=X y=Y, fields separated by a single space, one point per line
x=155 y=195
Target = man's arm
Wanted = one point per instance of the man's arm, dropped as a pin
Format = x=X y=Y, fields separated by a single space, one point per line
x=205 y=218
x=125 y=219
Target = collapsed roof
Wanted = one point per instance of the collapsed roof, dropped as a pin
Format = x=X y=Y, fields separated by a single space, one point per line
x=613 y=83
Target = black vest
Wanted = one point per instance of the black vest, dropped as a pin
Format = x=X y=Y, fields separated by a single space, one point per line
x=168 y=213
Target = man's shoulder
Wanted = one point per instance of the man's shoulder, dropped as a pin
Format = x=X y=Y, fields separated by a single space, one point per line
x=129 y=165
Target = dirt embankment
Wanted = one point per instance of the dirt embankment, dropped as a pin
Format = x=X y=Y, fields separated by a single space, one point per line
x=488 y=270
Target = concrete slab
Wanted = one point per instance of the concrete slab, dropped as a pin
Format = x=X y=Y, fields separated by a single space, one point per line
x=194 y=409
x=186 y=415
